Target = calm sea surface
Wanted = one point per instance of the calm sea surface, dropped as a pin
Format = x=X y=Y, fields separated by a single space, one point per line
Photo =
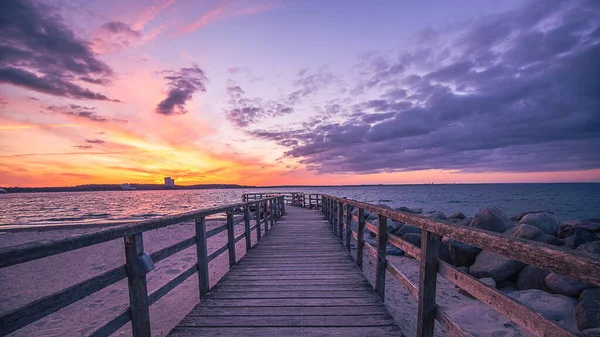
x=567 y=201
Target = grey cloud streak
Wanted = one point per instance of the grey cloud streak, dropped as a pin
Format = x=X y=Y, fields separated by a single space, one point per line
x=503 y=96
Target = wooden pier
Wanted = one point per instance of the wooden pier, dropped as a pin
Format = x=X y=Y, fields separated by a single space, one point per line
x=299 y=280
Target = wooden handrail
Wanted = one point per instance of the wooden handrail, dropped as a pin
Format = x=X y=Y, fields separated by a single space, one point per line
x=572 y=263
x=139 y=299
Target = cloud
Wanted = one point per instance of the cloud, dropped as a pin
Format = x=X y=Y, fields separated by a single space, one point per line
x=243 y=111
x=95 y=141
x=226 y=10
x=80 y=111
x=40 y=53
x=182 y=85
x=114 y=36
x=509 y=92
x=84 y=147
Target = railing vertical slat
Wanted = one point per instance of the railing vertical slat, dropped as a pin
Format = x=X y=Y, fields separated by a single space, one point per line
x=202 y=253
x=257 y=216
x=348 y=226
x=138 y=290
x=341 y=221
x=247 y=227
x=265 y=216
x=272 y=212
x=427 y=282
x=381 y=256
x=230 y=239
x=360 y=241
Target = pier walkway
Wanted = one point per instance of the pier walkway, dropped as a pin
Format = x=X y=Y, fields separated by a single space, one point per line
x=299 y=280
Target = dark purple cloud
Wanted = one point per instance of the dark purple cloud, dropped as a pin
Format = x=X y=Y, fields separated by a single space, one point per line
x=95 y=141
x=39 y=52
x=114 y=36
x=514 y=92
x=243 y=111
x=182 y=85
x=82 y=112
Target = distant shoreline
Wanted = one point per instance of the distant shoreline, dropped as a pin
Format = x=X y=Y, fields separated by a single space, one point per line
x=160 y=187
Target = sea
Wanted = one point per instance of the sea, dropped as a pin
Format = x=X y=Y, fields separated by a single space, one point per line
x=566 y=200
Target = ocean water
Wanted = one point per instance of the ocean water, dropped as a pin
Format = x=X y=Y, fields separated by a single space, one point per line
x=567 y=201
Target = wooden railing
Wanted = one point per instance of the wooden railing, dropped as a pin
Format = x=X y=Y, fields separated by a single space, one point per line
x=312 y=201
x=571 y=263
x=138 y=264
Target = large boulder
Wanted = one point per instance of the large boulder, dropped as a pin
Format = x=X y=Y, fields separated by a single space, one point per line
x=565 y=285
x=588 y=309
x=392 y=226
x=550 y=239
x=592 y=248
x=498 y=267
x=532 y=277
x=435 y=215
x=413 y=238
x=457 y=216
x=461 y=254
x=525 y=231
x=520 y=216
x=580 y=237
x=589 y=333
x=409 y=210
x=545 y=221
x=384 y=206
x=568 y=228
x=393 y=250
x=491 y=219
x=554 y=307
x=405 y=229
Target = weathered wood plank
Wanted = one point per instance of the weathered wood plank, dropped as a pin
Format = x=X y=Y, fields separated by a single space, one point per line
x=202 y=255
x=379 y=331
x=360 y=238
x=287 y=294
x=381 y=257
x=373 y=310
x=427 y=283
x=230 y=239
x=288 y=321
x=138 y=291
x=247 y=230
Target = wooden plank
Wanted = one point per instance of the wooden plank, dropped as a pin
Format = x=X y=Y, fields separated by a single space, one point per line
x=230 y=239
x=282 y=302
x=287 y=294
x=247 y=230
x=381 y=257
x=138 y=291
x=164 y=289
x=360 y=238
x=287 y=321
x=427 y=283
x=379 y=331
x=373 y=310
x=202 y=255
x=217 y=252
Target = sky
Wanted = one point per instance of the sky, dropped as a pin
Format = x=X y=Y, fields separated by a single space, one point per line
x=284 y=92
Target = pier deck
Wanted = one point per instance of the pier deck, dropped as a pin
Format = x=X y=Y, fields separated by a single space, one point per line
x=299 y=280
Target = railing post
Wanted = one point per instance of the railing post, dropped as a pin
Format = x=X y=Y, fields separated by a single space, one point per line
x=271 y=212
x=202 y=253
x=257 y=215
x=341 y=221
x=247 y=227
x=230 y=238
x=334 y=215
x=427 y=282
x=348 y=226
x=381 y=256
x=360 y=241
x=266 y=216
x=282 y=205
x=138 y=290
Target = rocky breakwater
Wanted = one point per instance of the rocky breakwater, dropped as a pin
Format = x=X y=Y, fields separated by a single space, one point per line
x=570 y=302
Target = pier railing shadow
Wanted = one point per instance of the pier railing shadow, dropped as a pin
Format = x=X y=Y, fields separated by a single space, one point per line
x=575 y=264
x=266 y=211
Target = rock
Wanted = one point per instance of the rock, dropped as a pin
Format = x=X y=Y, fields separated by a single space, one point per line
x=525 y=231
x=413 y=238
x=567 y=228
x=587 y=311
x=370 y=216
x=592 y=248
x=488 y=282
x=554 y=307
x=384 y=206
x=580 y=237
x=393 y=227
x=498 y=267
x=436 y=215
x=409 y=210
x=565 y=285
x=520 y=216
x=491 y=219
x=589 y=333
x=354 y=211
x=550 y=239
x=508 y=287
x=405 y=229
x=457 y=216
x=463 y=269
x=393 y=250
x=461 y=254
x=545 y=221
x=532 y=277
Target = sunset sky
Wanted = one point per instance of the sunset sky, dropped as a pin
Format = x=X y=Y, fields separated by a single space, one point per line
x=281 y=92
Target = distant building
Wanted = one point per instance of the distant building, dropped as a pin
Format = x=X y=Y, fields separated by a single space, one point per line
x=126 y=187
x=169 y=182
